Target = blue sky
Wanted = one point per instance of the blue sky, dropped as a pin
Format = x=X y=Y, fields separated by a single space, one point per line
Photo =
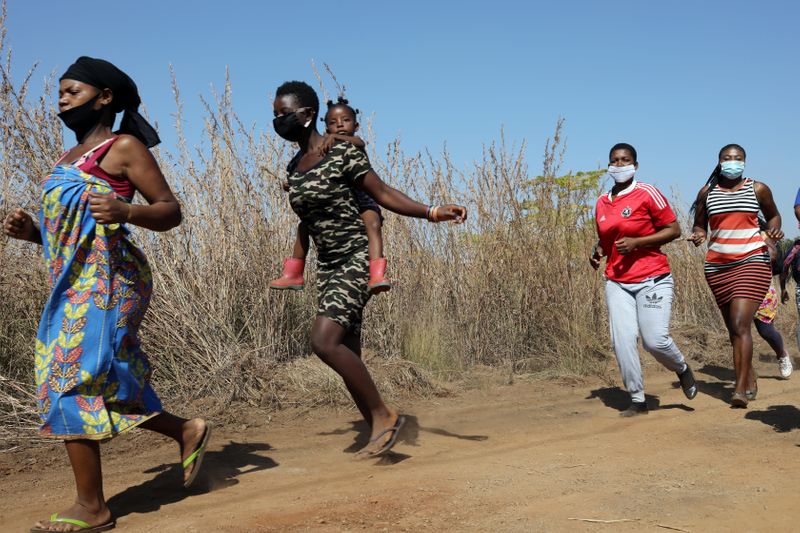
x=676 y=79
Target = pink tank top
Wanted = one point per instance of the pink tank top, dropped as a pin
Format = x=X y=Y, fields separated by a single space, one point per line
x=89 y=163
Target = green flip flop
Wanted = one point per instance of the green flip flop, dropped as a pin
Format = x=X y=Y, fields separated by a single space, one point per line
x=85 y=527
x=197 y=458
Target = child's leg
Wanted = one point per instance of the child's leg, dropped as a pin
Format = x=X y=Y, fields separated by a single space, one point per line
x=377 y=263
x=292 y=277
x=301 y=243
x=90 y=505
x=372 y=221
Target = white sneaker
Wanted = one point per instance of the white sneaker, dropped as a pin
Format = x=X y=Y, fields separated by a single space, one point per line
x=785 y=364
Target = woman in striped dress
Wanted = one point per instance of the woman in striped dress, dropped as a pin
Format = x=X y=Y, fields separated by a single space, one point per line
x=737 y=265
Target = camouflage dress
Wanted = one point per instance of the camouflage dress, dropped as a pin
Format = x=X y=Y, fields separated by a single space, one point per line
x=324 y=197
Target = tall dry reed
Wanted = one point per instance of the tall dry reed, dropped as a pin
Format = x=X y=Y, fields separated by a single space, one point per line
x=511 y=288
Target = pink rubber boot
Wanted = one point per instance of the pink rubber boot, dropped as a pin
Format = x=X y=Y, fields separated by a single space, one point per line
x=377 y=276
x=292 y=277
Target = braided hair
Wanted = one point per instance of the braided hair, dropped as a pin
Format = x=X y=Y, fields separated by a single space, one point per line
x=342 y=102
x=713 y=179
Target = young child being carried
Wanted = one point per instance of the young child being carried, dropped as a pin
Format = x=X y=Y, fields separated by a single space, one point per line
x=341 y=124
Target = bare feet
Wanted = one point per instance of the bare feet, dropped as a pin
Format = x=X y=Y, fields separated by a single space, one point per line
x=93 y=517
x=192 y=435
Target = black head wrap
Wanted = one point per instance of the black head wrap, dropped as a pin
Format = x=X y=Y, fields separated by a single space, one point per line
x=103 y=75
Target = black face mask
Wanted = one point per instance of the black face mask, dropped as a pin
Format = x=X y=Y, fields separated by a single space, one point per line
x=82 y=119
x=289 y=127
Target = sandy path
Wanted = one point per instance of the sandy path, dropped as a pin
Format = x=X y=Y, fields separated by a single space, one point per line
x=526 y=457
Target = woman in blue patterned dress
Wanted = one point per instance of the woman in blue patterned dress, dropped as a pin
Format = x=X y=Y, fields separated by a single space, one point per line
x=92 y=378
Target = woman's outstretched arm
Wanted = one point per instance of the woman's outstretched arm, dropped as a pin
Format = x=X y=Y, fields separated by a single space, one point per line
x=396 y=201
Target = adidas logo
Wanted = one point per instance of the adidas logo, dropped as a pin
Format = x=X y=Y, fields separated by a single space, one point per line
x=653 y=301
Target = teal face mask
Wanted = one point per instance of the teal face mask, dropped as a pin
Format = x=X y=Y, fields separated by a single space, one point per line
x=731 y=169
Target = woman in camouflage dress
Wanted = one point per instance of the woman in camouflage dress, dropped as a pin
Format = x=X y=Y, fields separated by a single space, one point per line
x=321 y=193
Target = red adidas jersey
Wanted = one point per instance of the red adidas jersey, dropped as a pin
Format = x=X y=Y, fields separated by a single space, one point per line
x=636 y=212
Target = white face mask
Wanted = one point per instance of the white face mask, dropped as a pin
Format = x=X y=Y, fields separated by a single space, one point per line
x=622 y=174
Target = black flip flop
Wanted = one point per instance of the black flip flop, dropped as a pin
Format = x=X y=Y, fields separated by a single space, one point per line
x=395 y=430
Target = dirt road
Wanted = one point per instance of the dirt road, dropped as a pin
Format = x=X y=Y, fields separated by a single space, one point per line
x=533 y=456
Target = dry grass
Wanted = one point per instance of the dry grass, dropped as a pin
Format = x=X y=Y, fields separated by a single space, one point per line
x=511 y=289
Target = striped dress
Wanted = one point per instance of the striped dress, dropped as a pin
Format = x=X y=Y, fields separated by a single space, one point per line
x=737 y=263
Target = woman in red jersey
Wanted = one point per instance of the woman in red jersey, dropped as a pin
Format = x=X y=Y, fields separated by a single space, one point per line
x=737 y=265
x=633 y=221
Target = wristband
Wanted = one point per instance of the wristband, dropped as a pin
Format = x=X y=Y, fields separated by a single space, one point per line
x=435 y=214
